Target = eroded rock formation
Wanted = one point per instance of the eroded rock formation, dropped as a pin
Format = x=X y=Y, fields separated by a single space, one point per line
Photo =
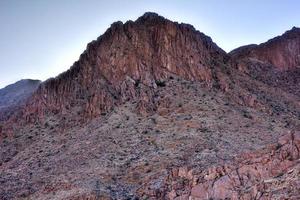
x=126 y=63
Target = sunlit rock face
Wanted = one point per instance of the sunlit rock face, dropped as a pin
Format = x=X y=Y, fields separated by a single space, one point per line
x=127 y=62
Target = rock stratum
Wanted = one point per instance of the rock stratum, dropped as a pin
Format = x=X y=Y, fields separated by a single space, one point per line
x=154 y=109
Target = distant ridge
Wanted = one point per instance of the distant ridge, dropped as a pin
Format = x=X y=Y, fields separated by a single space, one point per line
x=16 y=94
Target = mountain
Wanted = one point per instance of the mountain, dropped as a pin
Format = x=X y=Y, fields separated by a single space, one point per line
x=282 y=52
x=15 y=95
x=275 y=62
x=154 y=109
x=127 y=62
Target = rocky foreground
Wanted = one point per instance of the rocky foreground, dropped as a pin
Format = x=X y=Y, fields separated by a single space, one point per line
x=270 y=173
x=154 y=109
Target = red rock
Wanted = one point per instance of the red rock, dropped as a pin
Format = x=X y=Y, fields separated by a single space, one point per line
x=172 y=194
x=200 y=191
x=182 y=197
x=248 y=176
x=126 y=63
x=282 y=51
x=182 y=172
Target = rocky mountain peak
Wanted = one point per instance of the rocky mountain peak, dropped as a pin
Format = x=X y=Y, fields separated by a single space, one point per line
x=295 y=31
x=150 y=16
x=140 y=53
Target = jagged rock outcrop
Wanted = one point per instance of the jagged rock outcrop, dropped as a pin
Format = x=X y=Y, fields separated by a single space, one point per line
x=127 y=57
x=270 y=173
x=282 y=52
x=13 y=96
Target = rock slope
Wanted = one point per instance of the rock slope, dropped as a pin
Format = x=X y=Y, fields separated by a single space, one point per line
x=270 y=173
x=117 y=153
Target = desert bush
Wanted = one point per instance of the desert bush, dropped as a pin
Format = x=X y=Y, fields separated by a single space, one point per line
x=160 y=83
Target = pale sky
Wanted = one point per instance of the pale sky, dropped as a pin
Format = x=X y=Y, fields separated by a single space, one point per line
x=41 y=38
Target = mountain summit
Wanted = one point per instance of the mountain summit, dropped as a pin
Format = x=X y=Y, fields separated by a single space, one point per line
x=127 y=62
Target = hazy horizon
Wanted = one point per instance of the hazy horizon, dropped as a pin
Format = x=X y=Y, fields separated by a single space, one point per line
x=41 y=39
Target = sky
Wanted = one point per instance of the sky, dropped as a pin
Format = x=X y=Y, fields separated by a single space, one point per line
x=40 y=39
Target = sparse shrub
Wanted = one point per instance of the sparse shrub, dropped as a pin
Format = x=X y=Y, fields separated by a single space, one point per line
x=246 y=114
x=137 y=82
x=160 y=83
x=271 y=127
x=46 y=124
x=153 y=120
x=204 y=130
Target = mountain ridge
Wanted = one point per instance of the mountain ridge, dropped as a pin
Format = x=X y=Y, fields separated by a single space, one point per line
x=281 y=51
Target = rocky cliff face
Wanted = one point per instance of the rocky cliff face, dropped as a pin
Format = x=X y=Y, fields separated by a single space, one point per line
x=282 y=52
x=13 y=96
x=127 y=62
